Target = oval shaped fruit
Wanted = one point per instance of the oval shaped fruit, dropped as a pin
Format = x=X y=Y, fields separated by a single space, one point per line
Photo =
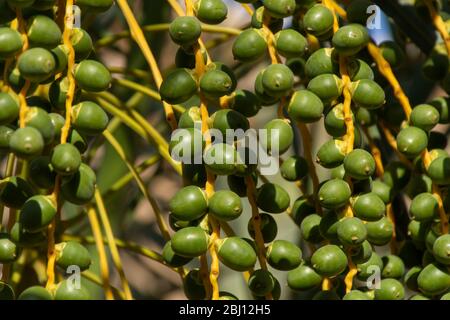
x=329 y=260
x=358 y=70
x=279 y=8
x=393 y=267
x=65 y=159
x=8 y=250
x=277 y=137
x=439 y=170
x=294 y=168
x=425 y=117
x=225 y=205
x=82 y=44
x=351 y=231
x=310 y=228
x=39 y=118
x=221 y=158
x=80 y=188
x=283 y=255
x=10 y=42
x=390 y=289
x=14 y=191
x=290 y=43
x=350 y=39
x=26 y=239
x=411 y=141
x=37 y=213
x=369 y=207
x=321 y=61
x=95 y=5
x=303 y=278
x=356 y=295
x=382 y=190
x=272 y=198
x=211 y=11
x=318 y=20
x=216 y=84
x=236 y=253
x=305 y=106
x=246 y=103
x=72 y=253
x=230 y=120
x=366 y=268
x=43 y=31
x=380 y=232
x=277 y=80
x=190 y=242
x=433 y=279
x=92 y=76
x=331 y=154
x=188 y=204
x=366 y=93
x=359 y=164
x=334 y=193
x=26 y=142
x=193 y=286
x=327 y=87
x=441 y=249
x=89 y=118
x=424 y=207
x=185 y=30
x=36 y=64
x=249 y=45
x=178 y=87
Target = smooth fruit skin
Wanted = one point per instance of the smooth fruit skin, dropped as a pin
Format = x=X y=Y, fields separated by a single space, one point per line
x=382 y=190
x=228 y=119
x=425 y=117
x=246 y=103
x=358 y=70
x=331 y=154
x=89 y=118
x=283 y=255
x=171 y=258
x=305 y=107
x=72 y=253
x=411 y=141
x=390 y=289
x=318 y=20
x=310 y=228
x=26 y=239
x=193 y=286
x=334 y=193
x=82 y=44
x=26 y=143
x=359 y=164
x=329 y=260
x=350 y=39
x=380 y=232
x=185 y=30
x=351 y=231
x=67 y=290
x=278 y=137
x=79 y=189
x=225 y=205
x=356 y=295
x=37 y=213
x=236 y=253
x=66 y=159
x=211 y=11
x=190 y=242
x=269 y=228
x=290 y=43
x=249 y=45
x=277 y=80
x=424 y=207
x=92 y=76
x=365 y=269
x=38 y=118
x=36 y=64
x=369 y=207
x=363 y=253
x=10 y=42
x=327 y=87
x=303 y=278
x=8 y=249
x=294 y=168
x=322 y=61
x=272 y=198
x=178 y=87
x=188 y=204
x=441 y=249
x=439 y=170
x=216 y=84
x=221 y=158
x=393 y=267
x=96 y=5
x=433 y=279
x=35 y=293
x=279 y=8
x=367 y=94
x=43 y=32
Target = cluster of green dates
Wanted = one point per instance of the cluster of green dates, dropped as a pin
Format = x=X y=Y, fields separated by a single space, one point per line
x=310 y=82
x=36 y=144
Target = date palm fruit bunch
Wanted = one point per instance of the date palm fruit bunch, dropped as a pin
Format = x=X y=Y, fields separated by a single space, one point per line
x=363 y=172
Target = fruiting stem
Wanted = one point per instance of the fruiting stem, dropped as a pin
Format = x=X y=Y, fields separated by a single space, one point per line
x=326 y=284
x=439 y=24
x=350 y=133
x=350 y=275
x=112 y=244
x=138 y=35
x=329 y=5
x=104 y=271
x=256 y=222
x=386 y=70
x=442 y=214
x=376 y=153
x=307 y=153
x=274 y=58
x=391 y=218
x=247 y=8
x=338 y=9
x=95 y=279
